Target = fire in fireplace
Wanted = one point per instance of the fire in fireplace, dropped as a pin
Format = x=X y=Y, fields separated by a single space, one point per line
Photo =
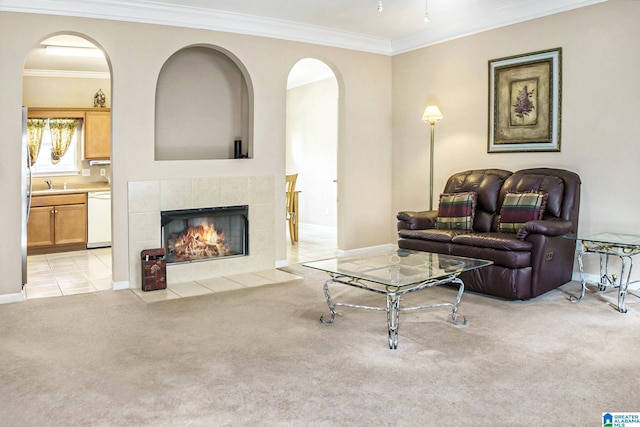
x=206 y=233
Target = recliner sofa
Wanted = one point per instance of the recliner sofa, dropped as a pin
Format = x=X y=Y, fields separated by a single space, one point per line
x=530 y=258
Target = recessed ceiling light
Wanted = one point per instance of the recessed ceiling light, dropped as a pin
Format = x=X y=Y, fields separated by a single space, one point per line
x=74 y=51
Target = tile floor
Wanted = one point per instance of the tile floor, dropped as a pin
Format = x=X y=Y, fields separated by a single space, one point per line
x=70 y=273
x=314 y=242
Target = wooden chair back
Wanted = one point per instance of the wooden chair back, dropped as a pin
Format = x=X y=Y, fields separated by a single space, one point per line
x=291 y=214
x=291 y=188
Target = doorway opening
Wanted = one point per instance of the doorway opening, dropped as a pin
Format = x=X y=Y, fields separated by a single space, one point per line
x=67 y=78
x=312 y=116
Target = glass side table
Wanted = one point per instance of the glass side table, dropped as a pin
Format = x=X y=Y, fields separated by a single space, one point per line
x=607 y=244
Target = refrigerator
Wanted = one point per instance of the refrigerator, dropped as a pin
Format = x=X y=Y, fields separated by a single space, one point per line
x=26 y=188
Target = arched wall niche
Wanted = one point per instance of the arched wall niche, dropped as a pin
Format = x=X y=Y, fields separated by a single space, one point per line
x=204 y=103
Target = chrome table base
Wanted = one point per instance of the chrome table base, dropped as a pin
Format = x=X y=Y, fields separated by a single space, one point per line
x=605 y=250
x=393 y=295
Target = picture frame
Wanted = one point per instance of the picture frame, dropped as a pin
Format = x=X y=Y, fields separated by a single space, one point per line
x=525 y=102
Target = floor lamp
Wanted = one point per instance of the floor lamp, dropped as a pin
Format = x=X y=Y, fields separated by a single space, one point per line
x=432 y=115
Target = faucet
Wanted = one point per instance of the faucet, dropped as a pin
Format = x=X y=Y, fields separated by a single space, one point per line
x=49 y=184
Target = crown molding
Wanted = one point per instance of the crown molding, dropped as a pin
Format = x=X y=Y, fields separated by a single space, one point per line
x=151 y=12
x=452 y=29
x=201 y=18
x=67 y=74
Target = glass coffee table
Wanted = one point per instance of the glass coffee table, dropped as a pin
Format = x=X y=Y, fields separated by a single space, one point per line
x=394 y=273
x=606 y=244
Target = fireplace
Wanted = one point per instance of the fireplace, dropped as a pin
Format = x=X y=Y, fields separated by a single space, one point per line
x=190 y=235
x=147 y=199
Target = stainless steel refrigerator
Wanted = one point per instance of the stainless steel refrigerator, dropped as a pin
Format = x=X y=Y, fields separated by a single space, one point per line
x=26 y=186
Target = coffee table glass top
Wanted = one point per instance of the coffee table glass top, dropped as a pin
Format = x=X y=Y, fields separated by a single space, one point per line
x=399 y=267
x=608 y=238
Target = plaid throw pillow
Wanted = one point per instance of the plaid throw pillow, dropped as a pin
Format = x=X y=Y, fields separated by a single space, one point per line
x=519 y=208
x=456 y=211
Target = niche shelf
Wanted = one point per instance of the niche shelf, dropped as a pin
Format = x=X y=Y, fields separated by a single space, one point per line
x=204 y=103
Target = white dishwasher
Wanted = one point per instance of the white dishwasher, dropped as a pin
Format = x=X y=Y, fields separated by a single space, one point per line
x=98 y=219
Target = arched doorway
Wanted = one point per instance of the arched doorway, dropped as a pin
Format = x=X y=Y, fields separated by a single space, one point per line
x=67 y=77
x=311 y=152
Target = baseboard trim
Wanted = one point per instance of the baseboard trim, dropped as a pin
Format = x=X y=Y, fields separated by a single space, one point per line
x=351 y=252
x=365 y=250
x=11 y=298
x=589 y=278
x=634 y=285
x=119 y=286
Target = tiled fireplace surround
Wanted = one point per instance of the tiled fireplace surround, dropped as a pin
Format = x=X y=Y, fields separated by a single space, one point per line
x=148 y=198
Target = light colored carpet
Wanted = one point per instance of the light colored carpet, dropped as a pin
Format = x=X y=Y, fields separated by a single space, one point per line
x=259 y=356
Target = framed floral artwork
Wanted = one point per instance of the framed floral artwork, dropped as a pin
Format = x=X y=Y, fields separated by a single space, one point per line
x=525 y=102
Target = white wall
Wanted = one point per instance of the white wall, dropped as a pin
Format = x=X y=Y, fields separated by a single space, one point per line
x=312 y=143
x=77 y=91
x=600 y=88
x=136 y=54
x=599 y=124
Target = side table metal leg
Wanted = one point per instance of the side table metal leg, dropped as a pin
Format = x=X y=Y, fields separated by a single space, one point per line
x=332 y=307
x=624 y=283
x=605 y=279
x=393 y=319
x=582 y=281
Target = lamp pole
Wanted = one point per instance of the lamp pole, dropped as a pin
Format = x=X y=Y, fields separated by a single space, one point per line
x=432 y=115
x=433 y=132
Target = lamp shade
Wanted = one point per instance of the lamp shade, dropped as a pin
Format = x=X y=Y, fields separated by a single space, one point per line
x=432 y=115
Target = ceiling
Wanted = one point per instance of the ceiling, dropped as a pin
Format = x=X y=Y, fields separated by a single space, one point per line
x=399 y=20
x=352 y=24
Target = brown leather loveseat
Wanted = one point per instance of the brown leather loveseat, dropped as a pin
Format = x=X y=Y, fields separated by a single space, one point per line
x=531 y=257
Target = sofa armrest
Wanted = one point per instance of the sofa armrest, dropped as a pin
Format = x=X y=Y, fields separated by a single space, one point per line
x=547 y=227
x=417 y=220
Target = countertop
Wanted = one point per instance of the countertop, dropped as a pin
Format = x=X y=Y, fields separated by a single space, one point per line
x=76 y=187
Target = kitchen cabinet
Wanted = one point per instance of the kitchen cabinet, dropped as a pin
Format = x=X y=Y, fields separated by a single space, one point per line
x=55 y=113
x=96 y=124
x=97 y=135
x=57 y=223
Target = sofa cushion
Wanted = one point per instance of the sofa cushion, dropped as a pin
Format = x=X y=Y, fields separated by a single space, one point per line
x=430 y=234
x=550 y=181
x=503 y=259
x=494 y=240
x=488 y=184
x=519 y=208
x=456 y=211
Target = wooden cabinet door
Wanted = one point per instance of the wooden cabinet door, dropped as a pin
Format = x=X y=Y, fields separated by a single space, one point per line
x=97 y=135
x=70 y=224
x=40 y=228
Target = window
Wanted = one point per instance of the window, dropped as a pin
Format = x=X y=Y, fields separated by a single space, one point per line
x=68 y=164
